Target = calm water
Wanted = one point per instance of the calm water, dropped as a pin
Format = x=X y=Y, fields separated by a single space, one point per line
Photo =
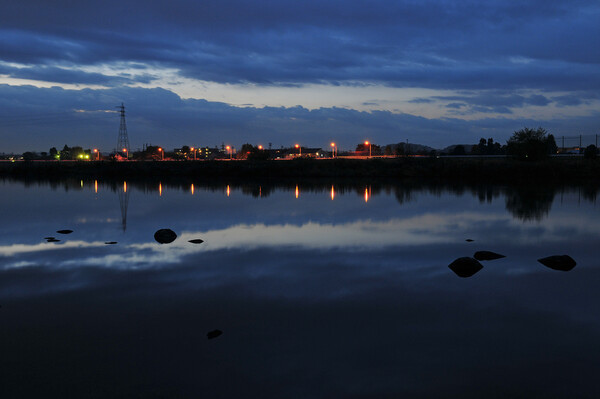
x=321 y=292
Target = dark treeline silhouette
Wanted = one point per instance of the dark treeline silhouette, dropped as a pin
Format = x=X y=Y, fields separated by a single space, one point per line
x=470 y=170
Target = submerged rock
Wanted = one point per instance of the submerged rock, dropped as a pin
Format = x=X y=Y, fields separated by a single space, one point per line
x=110 y=242
x=64 y=231
x=465 y=266
x=165 y=236
x=469 y=240
x=214 y=334
x=196 y=241
x=558 y=262
x=52 y=240
x=487 y=255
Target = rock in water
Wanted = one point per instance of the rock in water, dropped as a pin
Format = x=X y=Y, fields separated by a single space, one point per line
x=110 y=242
x=52 y=240
x=214 y=334
x=64 y=231
x=558 y=262
x=487 y=255
x=469 y=240
x=465 y=266
x=196 y=241
x=165 y=236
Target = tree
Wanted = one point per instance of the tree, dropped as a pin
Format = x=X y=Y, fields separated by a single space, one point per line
x=481 y=147
x=591 y=152
x=458 y=150
x=400 y=150
x=551 y=147
x=29 y=156
x=65 y=153
x=530 y=144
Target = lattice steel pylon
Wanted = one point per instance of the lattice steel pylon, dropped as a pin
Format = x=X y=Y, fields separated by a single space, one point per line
x=123 y=142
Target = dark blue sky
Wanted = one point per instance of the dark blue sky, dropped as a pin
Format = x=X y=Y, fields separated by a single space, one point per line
x=201 y=73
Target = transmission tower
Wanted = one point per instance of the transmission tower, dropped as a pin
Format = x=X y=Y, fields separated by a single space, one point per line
x=123 y=142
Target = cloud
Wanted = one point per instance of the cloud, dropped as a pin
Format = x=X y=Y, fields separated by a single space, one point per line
x=39 y=118
x=433 y=44
x=67 y=75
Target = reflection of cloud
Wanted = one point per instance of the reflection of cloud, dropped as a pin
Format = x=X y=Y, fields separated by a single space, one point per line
x=430 y=229
x=19 y=249
x=420 y=230
x=84 y=220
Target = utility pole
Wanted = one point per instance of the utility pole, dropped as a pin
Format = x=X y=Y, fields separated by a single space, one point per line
x=123 y=141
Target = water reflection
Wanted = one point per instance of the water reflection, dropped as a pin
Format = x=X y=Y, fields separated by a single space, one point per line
x=314 y=298
x=123 y=205
x=529 y=202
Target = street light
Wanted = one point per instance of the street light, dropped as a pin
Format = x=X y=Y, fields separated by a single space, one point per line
x=260 y=147
x=333 y=150
x=299 y=148
x=369 y=144
x=162 y=154
x=230 y=150
x=194 y=151
x=126 y=154
x=97 y=154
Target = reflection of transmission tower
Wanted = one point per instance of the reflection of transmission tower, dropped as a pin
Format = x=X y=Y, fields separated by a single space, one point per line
x=124 y=203
x=123 y=142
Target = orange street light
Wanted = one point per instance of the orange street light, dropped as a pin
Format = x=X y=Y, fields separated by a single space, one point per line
x=194 y=151
x=333 y=150
x=230 y=150
x=369 y=144
x=97 y=153
x=299 y=148
x=260 y=147
x=162 y=154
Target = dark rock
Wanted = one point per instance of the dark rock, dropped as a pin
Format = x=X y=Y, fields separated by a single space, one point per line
x=165 y=236
x=487 y=255
x=49 y=238
x=64 y=231
x=196 y=241
x=214 y=334
x=52 y=240
x=110 y=242
x=558 y=262
x=465 y=266
x=469 y=240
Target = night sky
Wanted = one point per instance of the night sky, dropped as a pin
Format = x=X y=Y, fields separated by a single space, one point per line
x=433 y=72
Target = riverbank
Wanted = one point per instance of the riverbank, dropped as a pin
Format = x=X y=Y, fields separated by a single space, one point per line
x=478 y=170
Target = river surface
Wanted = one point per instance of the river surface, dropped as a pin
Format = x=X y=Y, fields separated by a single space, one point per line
x=319 y=291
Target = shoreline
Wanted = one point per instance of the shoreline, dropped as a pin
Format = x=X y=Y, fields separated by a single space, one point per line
x=478 y=170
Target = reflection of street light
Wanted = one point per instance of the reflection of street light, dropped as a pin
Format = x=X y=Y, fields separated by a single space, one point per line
x=369 y=144
x=299 y=148
x=333 y=150
x=162 y=154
